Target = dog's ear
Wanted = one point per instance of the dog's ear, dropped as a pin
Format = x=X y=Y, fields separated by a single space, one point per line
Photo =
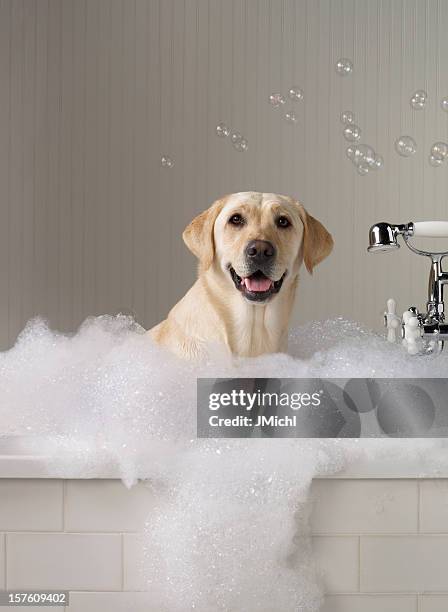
x=317 y=242
x=198 y=235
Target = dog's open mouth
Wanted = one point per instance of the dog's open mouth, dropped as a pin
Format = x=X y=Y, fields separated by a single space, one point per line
x=257 y=287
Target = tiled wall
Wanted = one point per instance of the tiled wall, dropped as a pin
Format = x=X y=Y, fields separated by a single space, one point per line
x=76 y=535
x=382 y=545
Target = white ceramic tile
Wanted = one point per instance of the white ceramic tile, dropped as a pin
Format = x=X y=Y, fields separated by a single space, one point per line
x=434 y=506
x=364 y=506
x=370 y=603
x=338 y=561
x=134 y=578
x=64 y=561
x=114 y=602
x=433 y=603
x=106 y=505
x=404 y=563
x=30 y=505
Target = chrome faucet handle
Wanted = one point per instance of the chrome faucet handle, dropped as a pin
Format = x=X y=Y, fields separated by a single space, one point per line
x=421 y=332
x=419 y=335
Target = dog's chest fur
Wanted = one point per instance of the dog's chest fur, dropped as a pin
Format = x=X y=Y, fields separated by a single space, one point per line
x=255 y=330
x=249 y=329
x=207 y=315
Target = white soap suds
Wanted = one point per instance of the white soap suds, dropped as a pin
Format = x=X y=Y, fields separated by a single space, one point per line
x=228 y=530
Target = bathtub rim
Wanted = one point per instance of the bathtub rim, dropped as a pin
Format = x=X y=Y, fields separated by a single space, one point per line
x=29 y=467
x=16 y=461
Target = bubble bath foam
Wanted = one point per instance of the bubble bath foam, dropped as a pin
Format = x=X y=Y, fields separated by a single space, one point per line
x=229 y=528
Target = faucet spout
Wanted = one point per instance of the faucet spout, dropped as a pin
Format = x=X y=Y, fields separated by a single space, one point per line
x=437 y=279
x=430 y=326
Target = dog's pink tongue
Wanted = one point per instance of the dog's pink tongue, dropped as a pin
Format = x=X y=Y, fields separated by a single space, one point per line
x=257 y=284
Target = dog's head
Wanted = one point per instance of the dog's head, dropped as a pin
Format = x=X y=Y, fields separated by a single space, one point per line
x=258 y=241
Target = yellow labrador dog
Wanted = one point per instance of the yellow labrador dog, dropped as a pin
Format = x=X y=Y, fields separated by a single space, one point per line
x=250 y=247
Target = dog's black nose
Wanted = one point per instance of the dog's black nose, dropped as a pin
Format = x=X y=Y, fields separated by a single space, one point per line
x=260 y=251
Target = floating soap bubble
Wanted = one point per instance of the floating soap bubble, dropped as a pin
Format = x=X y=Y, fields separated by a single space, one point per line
x=439 y=150
x=435 y=161
x=241 y=145
x=364 y=158
x=444 y=104
x=378 y=162
x=365 y=154
x=418 y=99
x=236 y=137
x=344 y=66
x=166 y=161
x=405 y=146
x=276 y=100
x=291 y=117
x=350 y=152
x=347 y=117
x=352 y=133
x=222 y=130
x=363 y=168
x=295 y=93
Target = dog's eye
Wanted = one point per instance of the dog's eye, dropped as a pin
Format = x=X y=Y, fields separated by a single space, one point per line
x=236 y=219
x=283 y=222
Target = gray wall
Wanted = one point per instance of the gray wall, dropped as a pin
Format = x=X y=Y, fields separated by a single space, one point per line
x=92 y=92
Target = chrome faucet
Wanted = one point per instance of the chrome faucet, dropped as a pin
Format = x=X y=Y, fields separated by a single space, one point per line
x=430 y=326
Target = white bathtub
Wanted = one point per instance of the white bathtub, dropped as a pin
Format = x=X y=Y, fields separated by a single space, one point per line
x=23 y=457
x=19 y=460
x=379 y=547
